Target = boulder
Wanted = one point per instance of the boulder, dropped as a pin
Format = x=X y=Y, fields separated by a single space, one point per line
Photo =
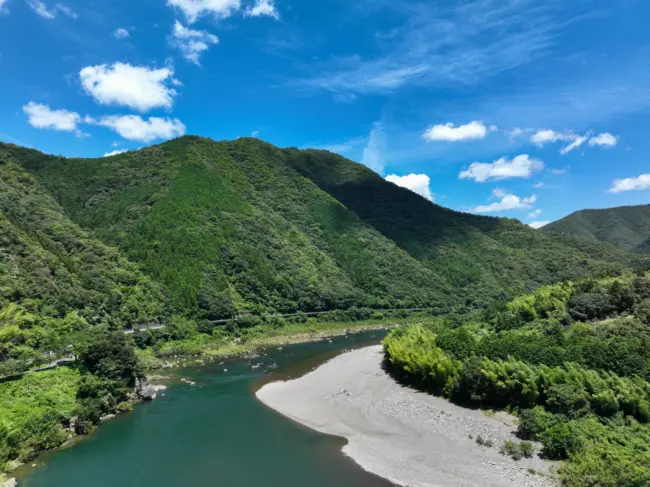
x=145 y=389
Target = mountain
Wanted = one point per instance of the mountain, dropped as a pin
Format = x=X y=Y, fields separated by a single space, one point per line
x=242 y=226
x=55 y=279
x=625 y=227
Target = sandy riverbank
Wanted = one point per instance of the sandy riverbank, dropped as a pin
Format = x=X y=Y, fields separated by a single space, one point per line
x=407 y=437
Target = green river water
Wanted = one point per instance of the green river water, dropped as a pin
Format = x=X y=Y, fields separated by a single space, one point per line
x=215 y=433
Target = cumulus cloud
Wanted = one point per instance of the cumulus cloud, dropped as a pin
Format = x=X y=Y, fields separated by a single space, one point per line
x=137 y=87
x=133 y=127
x=43 y=117
x=418 y=183
x=542 y=137
x=508 y=201
x=193 y=9
x=121 y=33
x=41 y=9
x=373 y=156
x=604 y=140
x=629 y=184
x=263 y=8
x=534 y=214
x=539 y=224
x=447 y=132
x=191 y=42
x=521 y=166
x=116 y=152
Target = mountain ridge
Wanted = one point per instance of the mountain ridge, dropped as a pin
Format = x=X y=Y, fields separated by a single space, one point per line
x=242 y=226
x=625 y=227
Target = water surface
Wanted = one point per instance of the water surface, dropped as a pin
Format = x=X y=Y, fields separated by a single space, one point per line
x=215 y=433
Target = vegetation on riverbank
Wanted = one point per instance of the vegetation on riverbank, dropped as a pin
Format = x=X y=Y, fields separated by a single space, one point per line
x=41 y=410
x=579 y=387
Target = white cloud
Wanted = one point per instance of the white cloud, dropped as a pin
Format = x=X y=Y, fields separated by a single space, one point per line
x=447 y=132
x=193 y=9
x=521 y=166
x=116 y=152
x=578 y=141
x=42 y=117
x=373 y=156
x=535 y=213
x=508 y=202
x=255 y=133
x=604 y=140
x=192 y=42
x=121 y=33
x=418 y=183
x=41 y=9
x=3 y=3
x=263 y=8
x=133 y=127
x=539 y=224
x=137 y=87
x=628 y=184
x=542 y=137
x=538 y=185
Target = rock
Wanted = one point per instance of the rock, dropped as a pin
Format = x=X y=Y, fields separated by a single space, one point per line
x=106 y=417
x=9 y=483
x=159 y=387
x=145 y=390
x=72 y=425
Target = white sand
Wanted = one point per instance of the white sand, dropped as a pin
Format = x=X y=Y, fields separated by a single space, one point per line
x=410 y=438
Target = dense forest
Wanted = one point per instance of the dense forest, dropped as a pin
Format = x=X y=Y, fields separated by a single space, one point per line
x=193 y=231
x=625 y=227
x=244 y=227
x=572 y=360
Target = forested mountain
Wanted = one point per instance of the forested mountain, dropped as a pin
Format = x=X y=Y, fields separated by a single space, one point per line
x=243 y=226
x=626 y=227
x=55 y=279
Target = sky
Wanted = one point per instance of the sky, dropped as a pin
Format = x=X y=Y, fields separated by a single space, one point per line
x=525 y=109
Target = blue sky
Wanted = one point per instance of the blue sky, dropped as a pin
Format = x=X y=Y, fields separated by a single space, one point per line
x=521 y=108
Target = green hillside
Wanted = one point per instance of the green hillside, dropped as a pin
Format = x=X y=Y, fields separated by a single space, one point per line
x=625 y=227
x=231 y=226
x=243 y=226
x=482 y=256
x=56 y=280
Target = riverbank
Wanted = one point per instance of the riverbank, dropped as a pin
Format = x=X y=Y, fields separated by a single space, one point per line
x=183 y=353
x=62 y=383
x=410 y=438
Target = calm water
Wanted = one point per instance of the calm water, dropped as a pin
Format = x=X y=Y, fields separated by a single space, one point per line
x=213 y=434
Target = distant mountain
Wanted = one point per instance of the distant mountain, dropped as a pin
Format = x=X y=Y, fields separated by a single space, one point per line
x=242 y=226
x=625 y=227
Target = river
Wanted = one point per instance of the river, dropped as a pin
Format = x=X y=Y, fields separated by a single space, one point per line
x=213 y=433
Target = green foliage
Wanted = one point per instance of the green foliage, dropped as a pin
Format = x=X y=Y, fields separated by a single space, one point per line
x=595 y=419
x=57 y=281
x=626 y=227
x=32 y=411
x=516 y=450
x=245 y=228
x=110 y=355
